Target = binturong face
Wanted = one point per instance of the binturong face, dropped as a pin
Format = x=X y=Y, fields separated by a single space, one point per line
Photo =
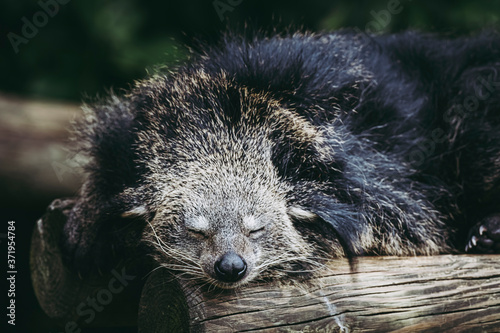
x=227 y=227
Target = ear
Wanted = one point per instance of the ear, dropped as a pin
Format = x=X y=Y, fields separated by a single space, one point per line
x=142 y=213
x=323 y=223
x=299 y=213
x=330 y=219
x=136 y=212
x=316 y=230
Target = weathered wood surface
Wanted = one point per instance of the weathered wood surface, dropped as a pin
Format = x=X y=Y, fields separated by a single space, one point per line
x=449 y=293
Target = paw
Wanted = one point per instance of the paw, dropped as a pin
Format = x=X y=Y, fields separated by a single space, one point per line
x=484 y=237
x=61 y=236
x=84 y=247
x=87 y=256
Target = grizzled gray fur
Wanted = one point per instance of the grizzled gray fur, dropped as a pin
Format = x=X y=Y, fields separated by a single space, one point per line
x=262 y=158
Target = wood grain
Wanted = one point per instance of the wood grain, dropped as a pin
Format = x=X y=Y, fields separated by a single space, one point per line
x=449 y=293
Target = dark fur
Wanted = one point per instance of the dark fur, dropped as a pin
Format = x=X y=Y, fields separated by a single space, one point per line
x=369 y=149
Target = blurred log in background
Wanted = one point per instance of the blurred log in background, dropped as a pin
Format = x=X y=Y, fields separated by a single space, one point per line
x=34 y=151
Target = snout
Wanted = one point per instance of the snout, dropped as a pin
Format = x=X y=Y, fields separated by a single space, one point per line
x=230 y=267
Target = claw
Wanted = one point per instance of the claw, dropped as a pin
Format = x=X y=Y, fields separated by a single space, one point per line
x=482 y=230
x=474 y=240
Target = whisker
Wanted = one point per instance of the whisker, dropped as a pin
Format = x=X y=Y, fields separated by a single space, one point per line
x=181 y=265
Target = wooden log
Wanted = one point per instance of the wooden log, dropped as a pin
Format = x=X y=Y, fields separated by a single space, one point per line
x=449 y=293
x=110 y=299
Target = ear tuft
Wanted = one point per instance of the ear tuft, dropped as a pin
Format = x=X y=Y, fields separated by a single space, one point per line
x=301 y=214
x=140 y=211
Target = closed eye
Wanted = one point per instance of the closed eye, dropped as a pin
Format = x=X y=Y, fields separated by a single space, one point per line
x=197 y=233
x=257 y=232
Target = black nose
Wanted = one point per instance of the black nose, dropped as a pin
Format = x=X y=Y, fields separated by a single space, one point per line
x=230 y=267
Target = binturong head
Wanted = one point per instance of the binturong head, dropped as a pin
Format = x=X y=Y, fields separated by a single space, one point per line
x=222 y=210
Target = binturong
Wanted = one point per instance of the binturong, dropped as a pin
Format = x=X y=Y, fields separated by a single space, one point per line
x=262 y=158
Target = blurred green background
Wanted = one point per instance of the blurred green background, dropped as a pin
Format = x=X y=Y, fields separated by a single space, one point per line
x=84 y=48
x=93 y=44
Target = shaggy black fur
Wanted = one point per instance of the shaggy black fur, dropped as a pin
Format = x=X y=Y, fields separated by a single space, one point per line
x=405 y=158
